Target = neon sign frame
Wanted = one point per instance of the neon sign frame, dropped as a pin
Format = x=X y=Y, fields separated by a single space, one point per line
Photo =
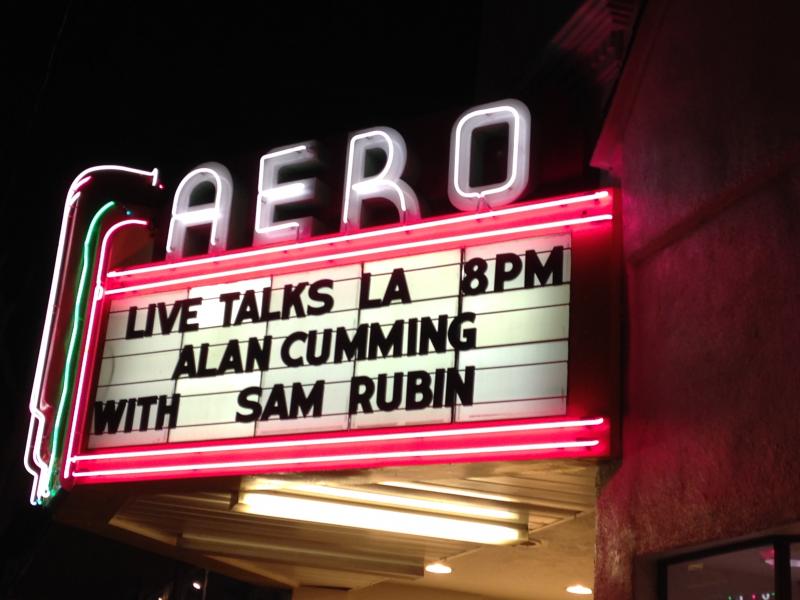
x=584 y=432
x=34 y=460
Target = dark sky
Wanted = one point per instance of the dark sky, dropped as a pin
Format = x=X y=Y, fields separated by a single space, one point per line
x=129 y=81
x=173 y=84
x=144 y=84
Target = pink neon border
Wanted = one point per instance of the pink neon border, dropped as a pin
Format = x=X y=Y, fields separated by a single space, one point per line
x=40 y=468
x=97 y=297
x=205 y=448
x=377 y=233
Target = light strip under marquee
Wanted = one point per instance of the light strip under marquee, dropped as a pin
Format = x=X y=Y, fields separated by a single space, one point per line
x=388 y=498
x=338 y=510
x=370 y=448
x=40 y=469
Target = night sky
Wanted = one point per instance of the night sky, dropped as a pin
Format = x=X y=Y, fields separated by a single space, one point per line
x=176 y=84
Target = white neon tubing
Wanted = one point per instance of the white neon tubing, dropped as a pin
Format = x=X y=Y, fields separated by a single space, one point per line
x=37 y=422
x=389 y=177
x=217 y=214
x=350 y=439
x=518 y=158
x=453 y=508
x=284 y=225
x=83 y=181
x=363 y=235
x=341 y=458
x=96 y=299
x=286 y=191
x=513 y=177
x=357 y=253
x=272 y=194
x=378 y=519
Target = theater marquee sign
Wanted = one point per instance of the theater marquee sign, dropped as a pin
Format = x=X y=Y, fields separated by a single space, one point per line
x=379 y=343
x=487 y=334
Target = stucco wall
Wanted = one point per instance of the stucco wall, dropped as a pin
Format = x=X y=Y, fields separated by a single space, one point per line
x=710 y=172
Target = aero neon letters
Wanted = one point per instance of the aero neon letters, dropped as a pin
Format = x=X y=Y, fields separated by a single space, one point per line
x=378 y=145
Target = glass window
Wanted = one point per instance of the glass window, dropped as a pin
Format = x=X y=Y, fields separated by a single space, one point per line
x=794 y=567
x=740 y=575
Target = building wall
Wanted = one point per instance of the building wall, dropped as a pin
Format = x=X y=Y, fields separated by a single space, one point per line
x=709 y=163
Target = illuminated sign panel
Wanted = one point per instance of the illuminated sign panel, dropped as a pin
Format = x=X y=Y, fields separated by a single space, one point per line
x=489 y=334
x=466 y=334
x=445 y=340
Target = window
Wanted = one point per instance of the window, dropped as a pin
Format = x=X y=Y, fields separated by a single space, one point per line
x=794 y=569
x=765 y=569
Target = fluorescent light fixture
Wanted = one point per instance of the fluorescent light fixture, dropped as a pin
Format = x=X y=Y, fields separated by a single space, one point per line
x=580 y=590
x=443 y=489
x=438 y=568
x=461 y=509
x=379 y=519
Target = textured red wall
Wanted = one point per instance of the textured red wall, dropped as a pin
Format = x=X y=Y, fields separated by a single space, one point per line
x=710 y=173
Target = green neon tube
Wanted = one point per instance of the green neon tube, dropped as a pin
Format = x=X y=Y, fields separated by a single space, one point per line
x=68 y=377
